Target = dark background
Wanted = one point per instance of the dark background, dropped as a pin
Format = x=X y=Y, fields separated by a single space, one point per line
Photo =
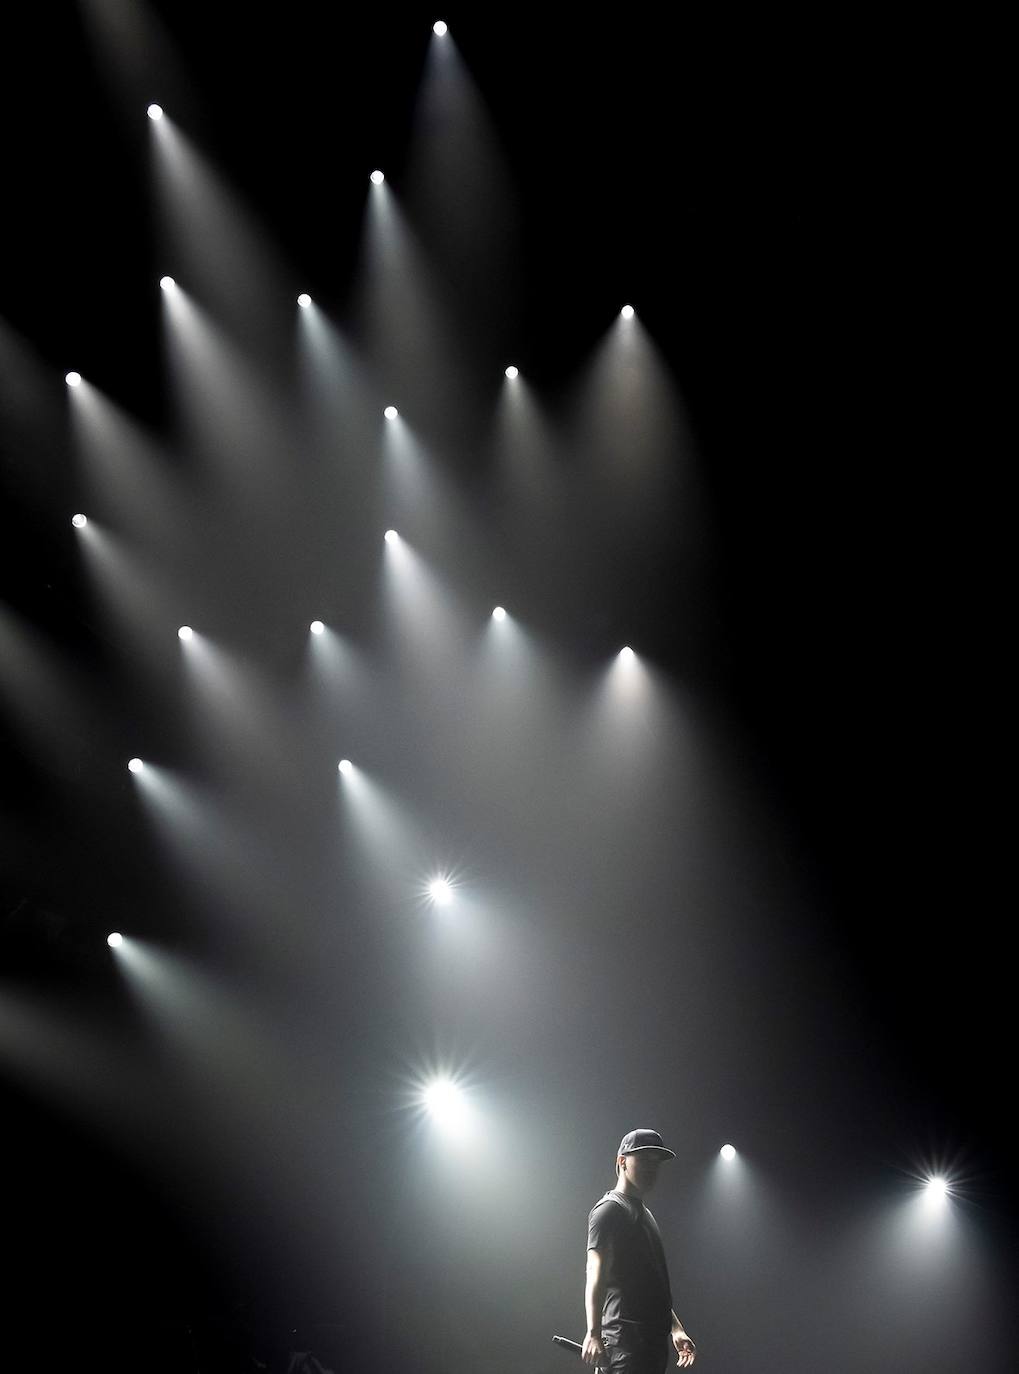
x=802 y=211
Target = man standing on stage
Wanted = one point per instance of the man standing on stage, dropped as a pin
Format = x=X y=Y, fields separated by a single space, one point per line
x=630 y=1320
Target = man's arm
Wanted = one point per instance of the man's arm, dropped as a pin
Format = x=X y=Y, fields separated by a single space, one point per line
x=594 y=1299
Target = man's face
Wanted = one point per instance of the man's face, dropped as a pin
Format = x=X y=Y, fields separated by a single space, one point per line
x=642 y=1169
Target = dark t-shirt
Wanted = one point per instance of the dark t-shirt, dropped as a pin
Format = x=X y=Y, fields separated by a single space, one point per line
x=637 y=1290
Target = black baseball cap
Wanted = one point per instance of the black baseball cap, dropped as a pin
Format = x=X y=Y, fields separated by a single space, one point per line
x=643 y=1139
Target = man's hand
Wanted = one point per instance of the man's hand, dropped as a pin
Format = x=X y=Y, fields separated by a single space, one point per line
x=685 y=1349
x=593 y=1351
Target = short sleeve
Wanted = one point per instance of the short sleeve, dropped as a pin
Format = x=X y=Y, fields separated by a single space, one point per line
x=602 y=1225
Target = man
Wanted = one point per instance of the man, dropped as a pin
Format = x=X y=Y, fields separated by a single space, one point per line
x=629 y=1305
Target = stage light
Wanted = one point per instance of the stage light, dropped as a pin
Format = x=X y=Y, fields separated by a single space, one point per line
x=185 y=632
x=512 y=372
x=155 y=111
x=114 y=940
x=498 y=613
x=627 y=312
x=443 y=1100
x=439 y=28
x=73 y=379
x=391 y=412
x=135 y=766
x=392 y=537
x=317 y=627
x=346 y=767
x=937 y=1188
x=377 y=178
x=627 y=655
x=727 y=1152
x=304 y=300
x=166 y=283
x=79 y=521
x=440 y=891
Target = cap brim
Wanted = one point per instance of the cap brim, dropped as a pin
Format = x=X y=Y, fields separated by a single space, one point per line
x=658 y=1150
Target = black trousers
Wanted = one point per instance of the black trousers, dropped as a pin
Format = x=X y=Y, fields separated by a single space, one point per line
x=639 y=1356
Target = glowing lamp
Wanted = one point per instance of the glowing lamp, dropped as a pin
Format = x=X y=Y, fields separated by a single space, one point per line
x=443 y=1100
x=440 y=891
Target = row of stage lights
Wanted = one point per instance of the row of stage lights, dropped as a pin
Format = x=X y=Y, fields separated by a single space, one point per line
x=444 y=1100
x=74 y=379
x=317 y=627
x=185 y=633
x=391 y=413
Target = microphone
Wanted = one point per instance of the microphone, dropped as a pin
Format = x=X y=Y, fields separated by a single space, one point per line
x=575 y=1346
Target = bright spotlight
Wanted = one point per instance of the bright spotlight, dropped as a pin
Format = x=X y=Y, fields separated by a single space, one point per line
x=377 y=178
x=512 y=372
x=627 y=312
x=73 y=379
x=114 y=940
x=185 y=632
x=135 y=766
x=155 y=111
x=498 y=613
x=79 y=521
x=727 y=1152
x=443 y=1100
x=166 y=283
x=392 y=537
x=937 y=1187
x=440 y=891
x=317 y=627
x=346 y=767
x=304 y=300
x=439 y=28
x=627 y=655
x=390 y=412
